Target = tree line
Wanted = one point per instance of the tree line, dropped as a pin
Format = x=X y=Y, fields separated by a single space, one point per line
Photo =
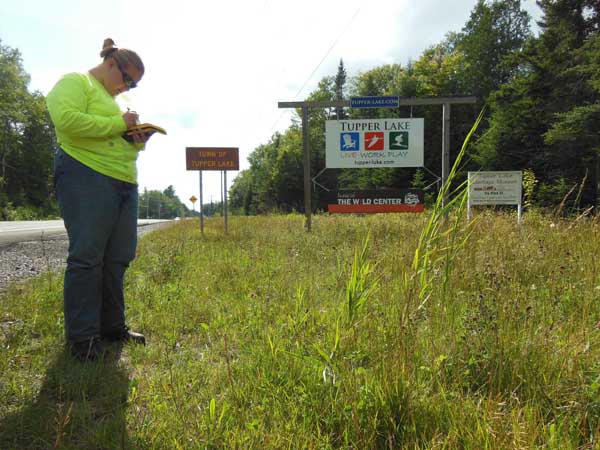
x=543 y=111
x=26 y=143
x=155 y=204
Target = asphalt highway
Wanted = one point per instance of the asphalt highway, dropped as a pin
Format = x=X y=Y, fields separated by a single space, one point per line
x=22 y=231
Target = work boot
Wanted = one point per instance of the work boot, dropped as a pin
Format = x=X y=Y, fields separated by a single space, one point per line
x=125 y=335
x=87 y=350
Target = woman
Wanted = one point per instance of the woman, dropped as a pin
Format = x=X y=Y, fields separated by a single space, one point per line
x=95 y=177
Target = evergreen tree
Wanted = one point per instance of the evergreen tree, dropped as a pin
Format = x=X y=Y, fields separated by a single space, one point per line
x=557 y=80
x=340 y=83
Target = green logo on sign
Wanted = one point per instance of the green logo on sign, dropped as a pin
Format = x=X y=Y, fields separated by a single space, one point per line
x=399 y=140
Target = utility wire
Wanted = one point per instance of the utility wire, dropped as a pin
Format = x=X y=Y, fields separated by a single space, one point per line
x=328 y=52
x=321 y=62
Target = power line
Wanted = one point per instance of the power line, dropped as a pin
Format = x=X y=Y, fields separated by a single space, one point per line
x=320 y=62
x=328 y=51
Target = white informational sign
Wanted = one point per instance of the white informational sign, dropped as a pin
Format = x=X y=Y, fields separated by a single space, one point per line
x=369 y=143
x=495 y=188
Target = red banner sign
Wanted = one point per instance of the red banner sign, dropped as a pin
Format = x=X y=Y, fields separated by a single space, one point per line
x=372 y=201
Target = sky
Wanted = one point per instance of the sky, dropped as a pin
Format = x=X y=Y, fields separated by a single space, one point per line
x=216 y=70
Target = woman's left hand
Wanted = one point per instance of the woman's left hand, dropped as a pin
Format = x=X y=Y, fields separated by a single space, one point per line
x=139 y=137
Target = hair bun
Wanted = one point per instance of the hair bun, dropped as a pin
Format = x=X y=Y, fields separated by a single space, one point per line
x=107 y=47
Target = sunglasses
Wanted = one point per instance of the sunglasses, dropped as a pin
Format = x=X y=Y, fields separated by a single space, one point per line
x=129 y=82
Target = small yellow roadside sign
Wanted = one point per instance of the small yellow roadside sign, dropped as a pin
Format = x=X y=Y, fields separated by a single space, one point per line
x=193 y=199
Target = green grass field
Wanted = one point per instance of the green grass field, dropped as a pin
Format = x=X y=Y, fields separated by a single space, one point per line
x=273 y=338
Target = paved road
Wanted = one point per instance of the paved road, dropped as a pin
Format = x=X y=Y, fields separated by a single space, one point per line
x=20 y=231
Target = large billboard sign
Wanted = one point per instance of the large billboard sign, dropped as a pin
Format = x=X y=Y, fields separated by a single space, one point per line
x=371 y=143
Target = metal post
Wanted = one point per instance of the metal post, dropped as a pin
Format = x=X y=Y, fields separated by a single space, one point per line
x=221 y=175
x=200 y=207
x=445 y=148
x=225 y=199
x=306 y=152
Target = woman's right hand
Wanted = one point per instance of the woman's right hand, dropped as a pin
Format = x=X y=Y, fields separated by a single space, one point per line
x=131 y=118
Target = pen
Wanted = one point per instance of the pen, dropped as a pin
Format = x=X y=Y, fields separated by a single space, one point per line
x=137 y=119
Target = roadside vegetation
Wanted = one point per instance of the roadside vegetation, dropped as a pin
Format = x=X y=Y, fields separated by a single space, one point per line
x=346 y=337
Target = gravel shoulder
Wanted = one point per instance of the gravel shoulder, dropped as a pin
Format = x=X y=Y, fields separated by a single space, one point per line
x=27 y=259
x=23 y=260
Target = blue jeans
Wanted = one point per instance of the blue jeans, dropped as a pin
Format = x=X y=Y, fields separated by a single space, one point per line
x=100 y=215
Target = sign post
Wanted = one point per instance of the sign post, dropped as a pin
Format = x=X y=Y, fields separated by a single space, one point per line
x=225 y=199
x=213 y=158
x=201 y=201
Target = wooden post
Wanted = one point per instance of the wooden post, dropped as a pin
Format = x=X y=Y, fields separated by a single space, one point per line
x=306 y=152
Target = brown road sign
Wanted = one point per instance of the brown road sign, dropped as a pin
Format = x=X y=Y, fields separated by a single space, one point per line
x=212 y=158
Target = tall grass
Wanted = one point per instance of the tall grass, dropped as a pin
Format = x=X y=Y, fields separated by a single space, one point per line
x=361 y=283
x=377 y=332
x=271 y=338
x=442 y=238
